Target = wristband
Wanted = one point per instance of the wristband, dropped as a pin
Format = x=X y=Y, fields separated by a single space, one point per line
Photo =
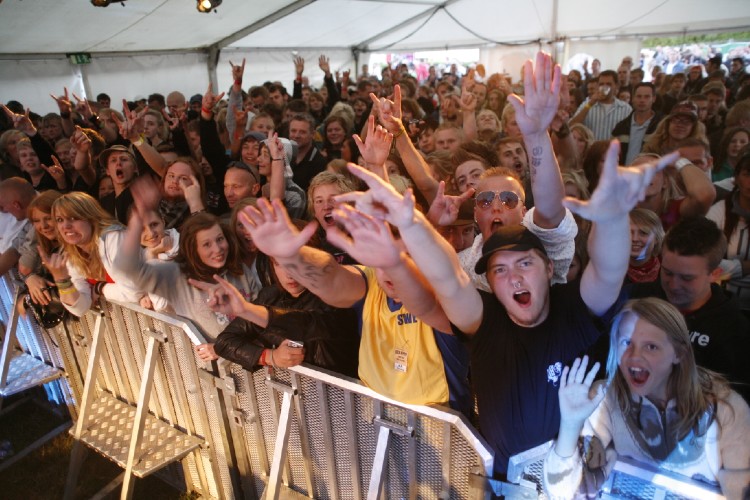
x=270 y=355
x=277 y=159
x=207 y=111
x=198 y=211
x=399 y=133
x=99 y=287
x=682 y=163
x=139 y=142
x=238 y=83
x=66 y=291
x=65 y=116
x=589 y=105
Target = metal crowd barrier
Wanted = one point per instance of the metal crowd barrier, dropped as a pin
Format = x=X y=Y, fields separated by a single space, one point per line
x=141 y=397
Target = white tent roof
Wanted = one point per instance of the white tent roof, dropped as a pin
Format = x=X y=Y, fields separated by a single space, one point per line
x=62 y=26
x=145 y=46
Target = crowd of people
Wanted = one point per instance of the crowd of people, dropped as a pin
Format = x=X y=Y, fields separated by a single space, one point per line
x=467 y=241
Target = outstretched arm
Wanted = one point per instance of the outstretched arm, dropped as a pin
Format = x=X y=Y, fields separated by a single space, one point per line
x=619 y=189
x=275 y=235
x=534 y=113
x=372 y=244
x=434 y=256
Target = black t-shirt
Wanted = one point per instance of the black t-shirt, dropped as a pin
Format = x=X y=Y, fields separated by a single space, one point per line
x=516 y=371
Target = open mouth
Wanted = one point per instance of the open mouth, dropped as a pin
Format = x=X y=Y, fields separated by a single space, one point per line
x=518 y=166
x=496 y=224
x=523 y=297
x=119 y=173
x=638 y=376
x=328 y=218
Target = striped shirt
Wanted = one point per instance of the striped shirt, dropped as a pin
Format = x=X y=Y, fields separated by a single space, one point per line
x=602 y=118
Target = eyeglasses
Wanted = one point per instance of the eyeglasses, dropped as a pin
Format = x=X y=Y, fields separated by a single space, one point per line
x=484 y=200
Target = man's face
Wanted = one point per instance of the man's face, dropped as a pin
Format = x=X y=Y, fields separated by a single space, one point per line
x=680 y=127
x=29 y=161
x=299 y=132
x=277 y=98
x=121 y=168
x=702 y=110
x=426 y=141
x=249 y=152
x=608 y=81
x=103 y=103
x=520 y=280
x=623 y=75
x=447 y=140
x=258 y=101
x=635 y=78
x=714 y=102
x=643 y=99
x=460 y=236
x=480 y=92
x=512 y=155
x=497 y=215
x=239 y=184
x=698 y=156
x=686 y=280
x=323 y=204
x=176 y=103
x=10 y=205
x=510 y=126
x=467 y=175
x=694 y=73
x=677 y=85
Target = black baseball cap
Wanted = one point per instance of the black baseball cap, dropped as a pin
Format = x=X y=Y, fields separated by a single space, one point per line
x=508 y=238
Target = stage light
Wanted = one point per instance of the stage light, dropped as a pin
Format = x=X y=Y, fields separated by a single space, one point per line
x=105 y=3
x=206 y=6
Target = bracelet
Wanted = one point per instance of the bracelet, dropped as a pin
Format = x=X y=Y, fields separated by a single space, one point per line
x=99 y=287
x=63 y=284
x=139 y=142
x=238 y=82
x=65 y=116
x=399 y=133
x=589 y=105
x=271 y=356
x=207 y=111
x=65 y=291
x=277 y=159
x=682 y=163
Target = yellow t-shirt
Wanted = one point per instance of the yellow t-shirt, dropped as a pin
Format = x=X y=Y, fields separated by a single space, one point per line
x=398 y=355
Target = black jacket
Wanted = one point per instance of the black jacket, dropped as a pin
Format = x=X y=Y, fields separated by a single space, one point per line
x=330 y=334
x=622 y=133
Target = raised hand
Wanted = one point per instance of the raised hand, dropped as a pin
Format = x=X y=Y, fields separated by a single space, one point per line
x=325 y=65
x=575 y=403
x=275 y=147
x=371 y=242
x=381 y=201
x=146 y=194
x=83 y=107
x=389 y=112
x=210 y=99
x=376 y=147
x=541 y=82
x=56 y=264
x=56 y=171
x=468 y=101
x=63 y=102
x=299 y=65
x=80 y=141
x=238 y=71
x=619 y=188
x=223 y=297
x=272 y=231
x=173 y=121
x=20 y=122
x=192 y=192
x=444 y=208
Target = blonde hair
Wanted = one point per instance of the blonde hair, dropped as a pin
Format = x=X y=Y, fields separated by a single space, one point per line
x=695 y=389
x=82 y=206
x=647 y=219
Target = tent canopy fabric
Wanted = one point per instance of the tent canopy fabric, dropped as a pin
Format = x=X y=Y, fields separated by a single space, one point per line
x=57 y=26
x=144 y=46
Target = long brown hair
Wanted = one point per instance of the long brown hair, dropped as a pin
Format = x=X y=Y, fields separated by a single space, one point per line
x=188 y=259
x=83 y=207
x=43 y=203
x=695 y=389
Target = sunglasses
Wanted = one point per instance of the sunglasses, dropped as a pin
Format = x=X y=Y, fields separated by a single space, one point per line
x=484 y=200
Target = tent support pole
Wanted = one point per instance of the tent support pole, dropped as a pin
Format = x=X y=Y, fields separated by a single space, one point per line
x=212 y=63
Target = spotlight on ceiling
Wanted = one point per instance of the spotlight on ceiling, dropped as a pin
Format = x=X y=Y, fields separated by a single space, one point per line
x=105 y=3
x=206 y=6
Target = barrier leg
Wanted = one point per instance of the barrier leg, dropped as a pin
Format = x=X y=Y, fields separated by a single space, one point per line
x=279 y=451
x=379 y=463
x=9 y=343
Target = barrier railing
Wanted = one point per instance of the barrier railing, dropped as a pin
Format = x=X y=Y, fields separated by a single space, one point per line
x=143 y=399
